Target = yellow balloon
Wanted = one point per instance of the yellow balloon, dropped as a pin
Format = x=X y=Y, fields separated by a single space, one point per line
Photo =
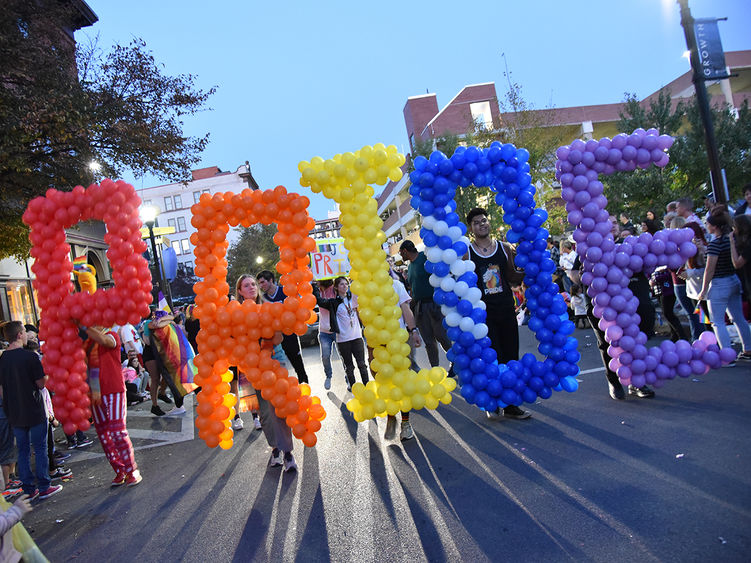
x=225 y=444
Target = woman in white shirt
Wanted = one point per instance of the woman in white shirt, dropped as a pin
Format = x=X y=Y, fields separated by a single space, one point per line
x=349 y=339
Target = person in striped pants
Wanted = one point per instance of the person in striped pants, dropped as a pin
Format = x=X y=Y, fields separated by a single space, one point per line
x=108 y=403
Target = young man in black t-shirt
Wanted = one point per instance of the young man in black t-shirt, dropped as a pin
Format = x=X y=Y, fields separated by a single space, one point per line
x=290 y=342
x=21 y=382
x=493 y=266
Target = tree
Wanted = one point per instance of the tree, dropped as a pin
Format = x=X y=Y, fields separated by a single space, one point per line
x=688 y=172
x=243 y=256
x=60 y=110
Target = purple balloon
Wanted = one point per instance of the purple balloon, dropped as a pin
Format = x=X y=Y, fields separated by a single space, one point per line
x=727 y=355
x=656 y=155
x=614 y=157
x=620 y=140
x=601 y=153
x=562 y=153
x=665 y=142
x=629 y=152
x=613 y=333
x=574 y=156
x=650 y=142
x=643 y=156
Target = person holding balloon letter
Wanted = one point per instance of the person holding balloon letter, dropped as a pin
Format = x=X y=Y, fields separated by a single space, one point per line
x=495 y=269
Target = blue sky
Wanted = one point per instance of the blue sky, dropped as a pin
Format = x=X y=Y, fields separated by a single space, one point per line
x=321 y=78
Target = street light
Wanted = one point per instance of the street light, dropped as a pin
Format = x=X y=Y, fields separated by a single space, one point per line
x=259 y=259
x=148 y=215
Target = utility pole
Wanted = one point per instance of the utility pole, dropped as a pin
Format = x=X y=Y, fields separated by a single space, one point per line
x=702 y=100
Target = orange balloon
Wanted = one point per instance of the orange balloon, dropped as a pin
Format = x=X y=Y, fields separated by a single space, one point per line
x=299 y=430
x=309 y=439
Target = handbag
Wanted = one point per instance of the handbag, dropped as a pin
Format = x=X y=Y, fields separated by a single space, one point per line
x=694 y=282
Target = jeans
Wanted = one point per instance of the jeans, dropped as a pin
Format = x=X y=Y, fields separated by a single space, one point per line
x=349 y=349
x=326 y=340
x=689 y=306
x=725 y=295
x=26 y=438
x=429 y=321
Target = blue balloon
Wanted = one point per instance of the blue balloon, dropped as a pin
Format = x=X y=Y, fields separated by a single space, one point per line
x=478 y=315
x=420 y=163
x=475 y=351
x=477 y=366
x=468 y=392
x=445 y=167
x=453 y=332
x=569 y=384
x=466 y=339
x=451 y=301
x=414 y=189
x=508 y=379
x=460 y=248
x=479 y=381
x=472 y=154
x=430 y=239
x=437 y=156
x=470 y=278
x=509 y=397
x=441 y=270
x=494 y=388
x=444 y=242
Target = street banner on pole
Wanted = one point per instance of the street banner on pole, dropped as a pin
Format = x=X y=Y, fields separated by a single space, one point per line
x=330 y=259
x=709 y=46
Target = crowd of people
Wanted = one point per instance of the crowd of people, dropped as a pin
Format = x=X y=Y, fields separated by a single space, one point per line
x=129 y=364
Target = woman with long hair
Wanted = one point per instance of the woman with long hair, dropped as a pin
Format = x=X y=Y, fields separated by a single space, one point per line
x=721 y=287
x=349 y=339
x=278 y=434
x=247 y=398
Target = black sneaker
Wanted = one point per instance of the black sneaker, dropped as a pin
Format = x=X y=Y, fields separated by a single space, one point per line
x=165 y=398
x=156 y=410
x=85 y=442
x=512 y=411
x=642 y=392
x=616 y=391
x=61 y=456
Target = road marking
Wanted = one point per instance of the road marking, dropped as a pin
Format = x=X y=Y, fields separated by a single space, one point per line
x=593 y=370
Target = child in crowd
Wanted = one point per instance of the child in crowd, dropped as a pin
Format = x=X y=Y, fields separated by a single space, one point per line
x=578 y=305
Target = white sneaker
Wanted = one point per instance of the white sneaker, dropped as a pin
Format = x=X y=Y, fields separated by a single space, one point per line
x=176 y=411
x=289 y=463
x=237 y=423
x=276 y=460
x=390 y=428
x=407 y=432
x=257 y=423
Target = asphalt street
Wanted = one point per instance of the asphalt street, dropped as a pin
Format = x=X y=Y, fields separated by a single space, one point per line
x=586 y=478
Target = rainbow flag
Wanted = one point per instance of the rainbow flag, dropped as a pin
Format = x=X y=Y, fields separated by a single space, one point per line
x=80 y=263
x=177 y=356
x=162 y=305
x=703 y=317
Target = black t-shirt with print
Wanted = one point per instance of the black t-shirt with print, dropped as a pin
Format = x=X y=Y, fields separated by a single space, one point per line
x=496 y=292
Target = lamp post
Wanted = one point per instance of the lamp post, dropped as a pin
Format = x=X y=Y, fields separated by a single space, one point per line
x=259 y=259
x=702 y=101
x=148 y=215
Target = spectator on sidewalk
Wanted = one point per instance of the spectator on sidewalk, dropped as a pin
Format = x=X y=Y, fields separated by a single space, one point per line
x=21 y=381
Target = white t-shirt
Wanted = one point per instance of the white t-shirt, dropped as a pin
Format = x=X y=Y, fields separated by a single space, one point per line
x=579 y=304
x=348 y=321
x=129 y=338
x=403 y=296
x=567 y=260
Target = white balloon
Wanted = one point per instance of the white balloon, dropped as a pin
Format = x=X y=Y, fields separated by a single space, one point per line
x=455 y=233
x=465 y=240
x=440 y=228
x=428 y=222
x=480 y=331
x=446 y=310
x=473 y=295
x=449 y=256
x=434 y=254
x=453 y=319
x=469 y=265
x=461 y=288
x=448 y=283
x=481 y=305
x=458 y=268
x=467 y=324
x=434 y=280
x=448 y=209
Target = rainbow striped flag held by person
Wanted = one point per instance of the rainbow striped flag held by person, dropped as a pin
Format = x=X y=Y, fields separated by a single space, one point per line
x=703 y=317
x=177 y=356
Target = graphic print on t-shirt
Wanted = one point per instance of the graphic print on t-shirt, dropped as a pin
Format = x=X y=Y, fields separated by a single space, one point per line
x=491 y=279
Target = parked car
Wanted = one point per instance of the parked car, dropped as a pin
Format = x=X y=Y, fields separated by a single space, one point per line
x=310 y=338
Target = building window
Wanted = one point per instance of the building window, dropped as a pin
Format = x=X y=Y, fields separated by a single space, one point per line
x=147 y=202
x=186 y=246
x=20 y=305
x=189 y=267
x=168 y=204
x=181 y=224
x=206 y=191
x=481 y=115
x=176 y=246
x=196 y=197
x=178 y=202
x=171 y=223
